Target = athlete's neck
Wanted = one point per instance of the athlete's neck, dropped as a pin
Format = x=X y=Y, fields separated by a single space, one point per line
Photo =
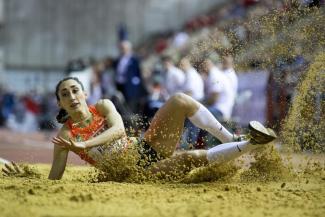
x=81 y=115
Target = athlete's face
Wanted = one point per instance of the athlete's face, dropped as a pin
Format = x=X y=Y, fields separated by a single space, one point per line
x=72 y=97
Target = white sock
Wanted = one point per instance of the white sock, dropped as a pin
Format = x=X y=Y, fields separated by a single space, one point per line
x=228 y=151
x=205 y=120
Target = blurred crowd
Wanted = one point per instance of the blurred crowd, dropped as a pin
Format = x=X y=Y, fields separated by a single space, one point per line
x=195 y=60
x=28 y=112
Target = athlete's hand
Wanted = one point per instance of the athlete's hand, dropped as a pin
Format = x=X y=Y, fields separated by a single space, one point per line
x=11 y=169
x=70 y=144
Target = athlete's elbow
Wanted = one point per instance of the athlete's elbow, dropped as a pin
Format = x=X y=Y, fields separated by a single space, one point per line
x=121 y=131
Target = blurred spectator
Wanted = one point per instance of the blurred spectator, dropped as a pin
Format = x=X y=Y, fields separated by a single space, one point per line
x=154 y=101
x=219 y=92
x=229 y=71
x=180 y=40
x=48 y=109
x=107 y=78
x=95 y=93
x=219 y=97
x=193 y=84
x=75 y=66
x=105 y=72
x=161 y=44
x=7 y=105
x=128 y=76
x=174 y=78
x=24 y=118
x=32 y=102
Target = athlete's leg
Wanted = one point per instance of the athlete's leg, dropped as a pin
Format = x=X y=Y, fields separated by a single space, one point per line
x=187 y=160
x=180 y=163
x=167 y=125
x=225 y=152
x=166 y=129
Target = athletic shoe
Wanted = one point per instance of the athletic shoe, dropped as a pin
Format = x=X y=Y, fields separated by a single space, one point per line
x=260 y=134
x=239 y=138
x=271 y=132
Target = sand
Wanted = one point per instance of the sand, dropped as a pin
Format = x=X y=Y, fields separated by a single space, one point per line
x=300 y=194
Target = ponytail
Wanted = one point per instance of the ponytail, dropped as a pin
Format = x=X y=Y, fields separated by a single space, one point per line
x=62 y=117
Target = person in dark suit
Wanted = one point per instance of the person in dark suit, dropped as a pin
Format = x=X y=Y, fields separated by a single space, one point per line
x=128 y=76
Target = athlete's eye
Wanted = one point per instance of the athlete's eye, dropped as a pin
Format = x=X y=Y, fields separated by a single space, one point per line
x=75 y=90
x=64 y=94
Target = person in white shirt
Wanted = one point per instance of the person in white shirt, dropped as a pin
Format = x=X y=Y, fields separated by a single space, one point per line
x=174 y=77
x=219 y=93
x=180 y=40
x=219 y=96
x=193 y=85
x=229 y=71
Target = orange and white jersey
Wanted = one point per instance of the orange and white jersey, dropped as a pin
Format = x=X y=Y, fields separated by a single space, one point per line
x=97 y=126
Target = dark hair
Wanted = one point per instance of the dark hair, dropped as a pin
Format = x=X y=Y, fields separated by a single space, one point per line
x=63 y=116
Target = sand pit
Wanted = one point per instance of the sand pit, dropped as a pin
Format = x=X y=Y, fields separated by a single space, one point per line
x=301 y=194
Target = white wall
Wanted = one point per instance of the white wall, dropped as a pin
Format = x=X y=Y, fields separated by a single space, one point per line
x=47 y=33
x=23 y=81
x=38 y=37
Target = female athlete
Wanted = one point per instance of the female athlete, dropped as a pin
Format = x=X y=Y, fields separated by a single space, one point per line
x=92 y=132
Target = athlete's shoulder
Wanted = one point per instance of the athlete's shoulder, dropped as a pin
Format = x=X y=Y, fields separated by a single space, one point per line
x=64 y=132
x=104 y=106
x=104 y=103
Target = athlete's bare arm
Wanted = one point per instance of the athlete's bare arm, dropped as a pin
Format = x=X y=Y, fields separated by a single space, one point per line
x=60 y=155
x=115 y=131
x=114 y=120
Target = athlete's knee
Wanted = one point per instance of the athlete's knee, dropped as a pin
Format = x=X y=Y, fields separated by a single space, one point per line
x=196 y=157
x=182 y=100
x=198 y=154
x=178 y=97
